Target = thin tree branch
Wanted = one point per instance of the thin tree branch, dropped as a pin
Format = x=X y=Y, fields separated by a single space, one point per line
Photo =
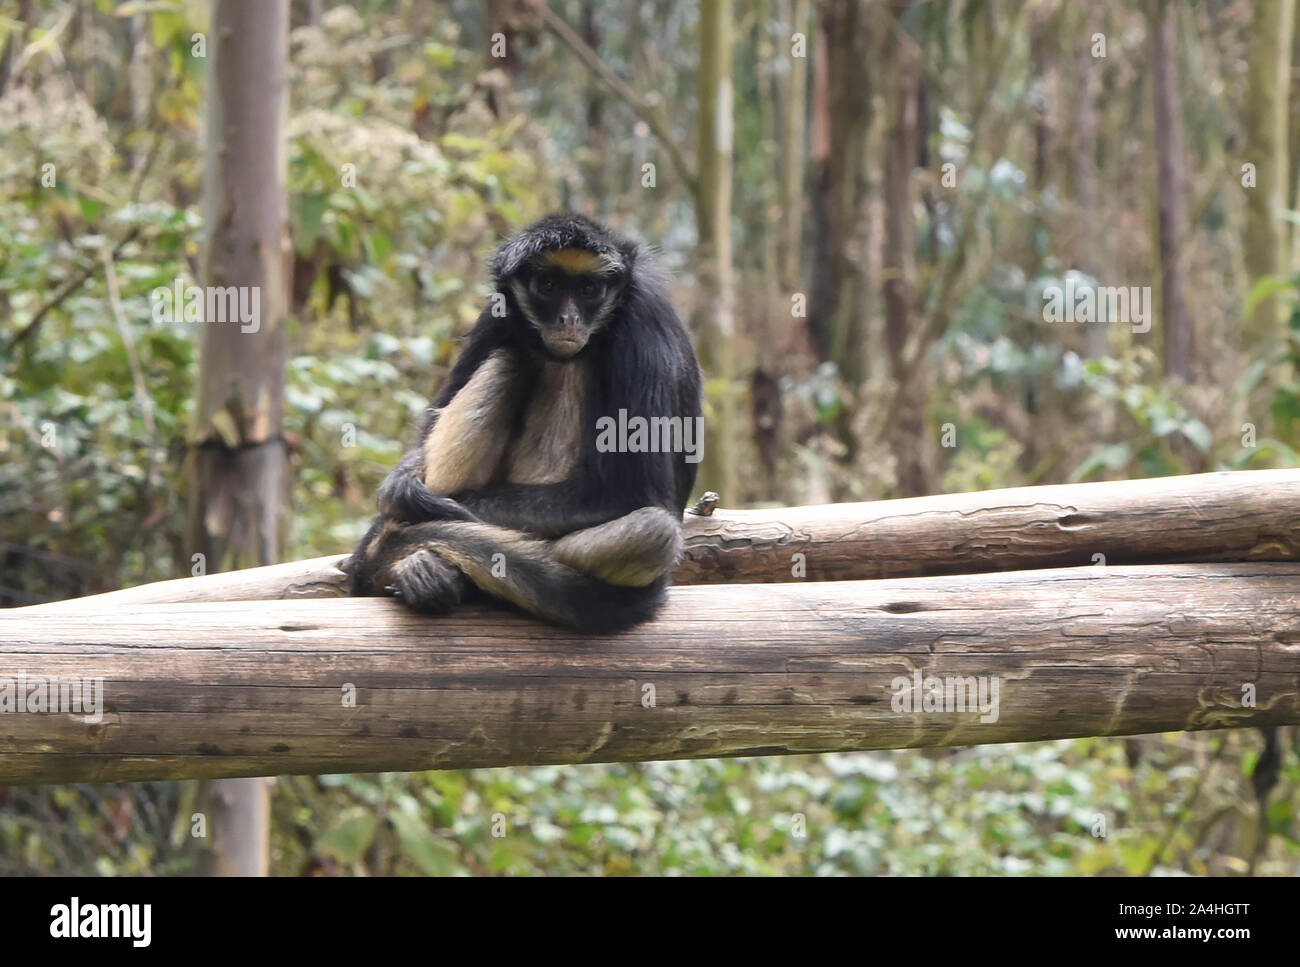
x=137 y=373
x=652 y=115
x=47 y=43
x=938 y=320
x=69 y=287
x=1180 y=818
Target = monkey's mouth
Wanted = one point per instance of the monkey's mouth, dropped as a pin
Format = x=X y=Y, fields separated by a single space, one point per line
x=565 y=346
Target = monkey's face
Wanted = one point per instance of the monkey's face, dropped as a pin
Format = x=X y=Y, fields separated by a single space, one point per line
x=565 y=299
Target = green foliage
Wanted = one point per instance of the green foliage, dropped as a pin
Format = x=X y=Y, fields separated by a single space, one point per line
x=1045 y=808
x=1157 y=419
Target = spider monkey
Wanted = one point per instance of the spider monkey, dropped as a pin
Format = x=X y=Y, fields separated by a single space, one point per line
x=507 y=489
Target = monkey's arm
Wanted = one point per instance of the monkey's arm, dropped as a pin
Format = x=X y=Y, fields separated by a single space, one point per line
x=549 y=510
x=404 y=498
x=463 y=436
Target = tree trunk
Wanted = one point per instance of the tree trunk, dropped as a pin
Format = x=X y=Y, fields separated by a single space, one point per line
x=1265 y=241
x=770 y=319
x=848 y=37
x=1178 y=340
x=1083 y=167
x=794 y=125
x=714 y=317
x=842 y=115
x=908 y=439
x=238 y=463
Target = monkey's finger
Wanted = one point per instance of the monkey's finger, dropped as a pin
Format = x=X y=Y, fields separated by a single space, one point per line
x=427 y=583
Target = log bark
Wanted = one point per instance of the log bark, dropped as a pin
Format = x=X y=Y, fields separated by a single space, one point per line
x=1249 y=515
x=257 y=688
x=1225 y=516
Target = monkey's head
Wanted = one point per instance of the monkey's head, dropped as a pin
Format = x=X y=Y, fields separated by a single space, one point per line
x=566 y=275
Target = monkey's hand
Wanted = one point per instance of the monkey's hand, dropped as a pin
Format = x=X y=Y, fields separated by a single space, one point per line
x=404 y=498
x=427 y=583
x=387 y=561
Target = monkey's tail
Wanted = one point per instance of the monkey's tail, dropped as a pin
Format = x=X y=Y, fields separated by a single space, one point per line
x=524 y=572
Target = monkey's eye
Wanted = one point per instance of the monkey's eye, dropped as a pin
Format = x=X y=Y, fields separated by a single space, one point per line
x=543 y=285
x=590 y=289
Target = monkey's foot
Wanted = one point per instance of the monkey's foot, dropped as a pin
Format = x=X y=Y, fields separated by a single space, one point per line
x=428 y=584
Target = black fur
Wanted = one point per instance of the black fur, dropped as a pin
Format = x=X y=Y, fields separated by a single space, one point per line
x=640 y=361
x=555 y=232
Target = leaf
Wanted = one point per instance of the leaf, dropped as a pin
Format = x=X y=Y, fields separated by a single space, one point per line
x=1281 y=450
x=380 y=245
x=225 y=426
x=1253 y=375
x=1265 y=287
x=349 y=838
x=1286 y=411
x=432 y=854
x=1198 y=433
x=90 y=208
x=442 y=56
x=311 y=210
x=1111 y=457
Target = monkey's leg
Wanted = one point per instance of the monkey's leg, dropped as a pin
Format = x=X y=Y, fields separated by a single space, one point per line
x=526 y=572
x=634 y=550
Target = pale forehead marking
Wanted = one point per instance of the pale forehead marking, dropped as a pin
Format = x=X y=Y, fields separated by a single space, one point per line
x=576 y=261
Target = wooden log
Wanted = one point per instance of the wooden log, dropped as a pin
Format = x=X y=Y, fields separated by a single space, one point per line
x=1228 y=516
x=203 y=690
x=317 y=577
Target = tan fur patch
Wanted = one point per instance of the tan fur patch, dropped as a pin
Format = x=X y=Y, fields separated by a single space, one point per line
x=630 y=551
x=465 y=448
x=550 y=443
x=575 y=261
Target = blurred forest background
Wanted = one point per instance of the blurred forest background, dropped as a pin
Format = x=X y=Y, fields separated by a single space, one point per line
x=861 y=203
